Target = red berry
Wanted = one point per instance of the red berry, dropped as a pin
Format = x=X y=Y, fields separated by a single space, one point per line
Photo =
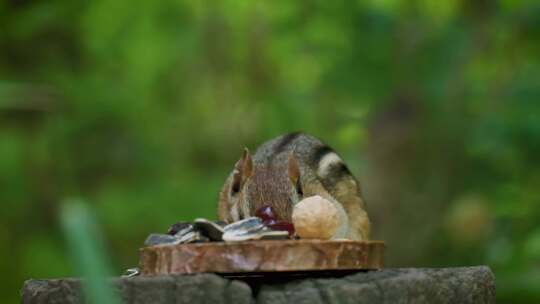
x=266 y=213
x=270 y=222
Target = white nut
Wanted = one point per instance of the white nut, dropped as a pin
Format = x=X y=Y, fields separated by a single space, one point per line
x=315 y=217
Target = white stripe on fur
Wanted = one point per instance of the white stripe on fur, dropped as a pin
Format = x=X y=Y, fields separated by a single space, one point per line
x=326 y=163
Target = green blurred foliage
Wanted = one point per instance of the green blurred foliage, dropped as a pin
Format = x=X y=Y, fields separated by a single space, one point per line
x=86 y=250
x=143 y=107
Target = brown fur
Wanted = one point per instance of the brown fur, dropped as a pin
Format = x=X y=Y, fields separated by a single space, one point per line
x=267 y=185
x=282 y=172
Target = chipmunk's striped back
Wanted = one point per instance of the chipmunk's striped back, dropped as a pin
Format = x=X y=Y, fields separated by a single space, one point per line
x=283 y=171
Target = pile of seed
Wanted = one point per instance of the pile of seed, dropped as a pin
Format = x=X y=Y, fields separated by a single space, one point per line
x=203 y=230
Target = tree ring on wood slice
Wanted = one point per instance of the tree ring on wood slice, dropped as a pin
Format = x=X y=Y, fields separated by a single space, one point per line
x=262 y=257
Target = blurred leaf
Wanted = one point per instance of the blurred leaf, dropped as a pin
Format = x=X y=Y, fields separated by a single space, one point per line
x=87 y=252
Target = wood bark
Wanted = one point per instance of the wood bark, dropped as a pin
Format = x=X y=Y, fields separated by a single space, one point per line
x=261 y=256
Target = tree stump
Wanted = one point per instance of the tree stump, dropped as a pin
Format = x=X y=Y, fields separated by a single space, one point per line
x=410 y=285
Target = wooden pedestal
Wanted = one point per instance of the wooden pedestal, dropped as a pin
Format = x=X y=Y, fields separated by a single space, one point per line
x=261 y=257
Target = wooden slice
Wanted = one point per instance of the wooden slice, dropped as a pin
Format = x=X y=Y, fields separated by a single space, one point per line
x=261 y=256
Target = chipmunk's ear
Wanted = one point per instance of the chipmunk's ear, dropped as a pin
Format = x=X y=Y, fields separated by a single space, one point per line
x=242 y=170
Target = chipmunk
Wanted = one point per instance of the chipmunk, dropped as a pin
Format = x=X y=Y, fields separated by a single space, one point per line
x=286 y=169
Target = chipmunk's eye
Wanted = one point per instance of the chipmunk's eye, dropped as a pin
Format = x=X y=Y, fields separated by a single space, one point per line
x=236 y=182
x=235 y=188
x=299 y=188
